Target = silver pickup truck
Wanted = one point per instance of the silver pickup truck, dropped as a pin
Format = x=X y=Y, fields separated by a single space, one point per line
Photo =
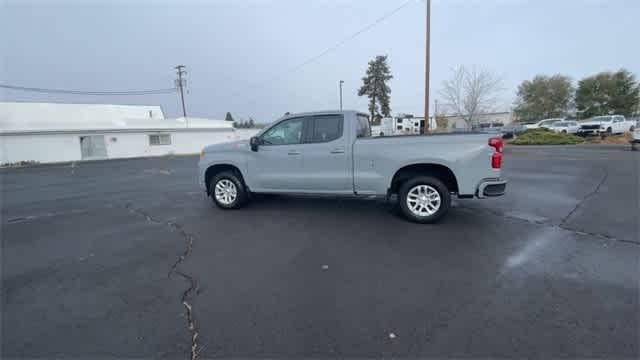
x=333 y=152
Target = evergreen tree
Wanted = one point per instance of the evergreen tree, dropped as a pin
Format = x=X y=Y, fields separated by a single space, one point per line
x=374 y=86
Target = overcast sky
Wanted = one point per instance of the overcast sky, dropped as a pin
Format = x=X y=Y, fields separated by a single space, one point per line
x=239 y=53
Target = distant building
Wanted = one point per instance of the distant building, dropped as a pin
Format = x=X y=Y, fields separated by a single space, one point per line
x=50 y=132
x=458 y=122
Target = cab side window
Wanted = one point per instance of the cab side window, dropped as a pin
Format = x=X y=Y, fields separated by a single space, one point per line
x=326 y=128
x=287 y=132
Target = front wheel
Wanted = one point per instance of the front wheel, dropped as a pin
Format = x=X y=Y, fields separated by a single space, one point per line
x=424 y=199
x=228 y=191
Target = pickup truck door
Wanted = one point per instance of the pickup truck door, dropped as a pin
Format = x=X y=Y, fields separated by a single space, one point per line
x=617 y=124
x=277 y=165
x=623 y=125
x=327 y=158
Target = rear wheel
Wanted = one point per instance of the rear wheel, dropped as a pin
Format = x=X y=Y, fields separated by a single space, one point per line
x=424 y=199
x=228 y=191
x=564 y=131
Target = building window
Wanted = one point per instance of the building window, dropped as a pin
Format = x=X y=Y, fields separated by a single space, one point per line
x=160 y=139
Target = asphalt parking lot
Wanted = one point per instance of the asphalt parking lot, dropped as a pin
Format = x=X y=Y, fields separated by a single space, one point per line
x=128 y=259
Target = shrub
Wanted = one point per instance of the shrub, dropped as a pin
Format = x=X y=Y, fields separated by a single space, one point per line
x=546 y=137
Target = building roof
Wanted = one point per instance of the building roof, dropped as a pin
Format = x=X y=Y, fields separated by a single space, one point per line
x=43 y=117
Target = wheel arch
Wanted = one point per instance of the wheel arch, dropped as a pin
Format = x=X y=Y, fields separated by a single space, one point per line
x=216 y=169
x=439 y=171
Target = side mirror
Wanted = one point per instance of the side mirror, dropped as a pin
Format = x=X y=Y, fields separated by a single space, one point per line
x=254 y=142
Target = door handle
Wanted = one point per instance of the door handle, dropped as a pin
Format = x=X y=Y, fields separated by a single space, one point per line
x=293 y=152
x=337 y=151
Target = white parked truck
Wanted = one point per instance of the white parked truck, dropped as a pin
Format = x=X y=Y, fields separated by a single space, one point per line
x=635 y=140
x=606 y=125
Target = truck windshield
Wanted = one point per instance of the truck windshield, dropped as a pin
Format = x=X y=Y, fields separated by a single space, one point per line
x=603 y=118
x=364 y=129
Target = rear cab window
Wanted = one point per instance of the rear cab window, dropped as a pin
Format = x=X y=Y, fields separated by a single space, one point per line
x=363 y=129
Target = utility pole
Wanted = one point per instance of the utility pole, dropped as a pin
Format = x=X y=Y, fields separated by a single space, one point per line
x=180 y=83
x=426 y=70
x=341 y=82
x=435 y=111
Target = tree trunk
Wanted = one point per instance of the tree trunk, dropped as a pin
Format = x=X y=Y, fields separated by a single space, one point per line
x=373 y=102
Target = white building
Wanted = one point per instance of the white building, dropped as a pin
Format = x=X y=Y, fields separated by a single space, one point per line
x=48 y=132
x=458 y=122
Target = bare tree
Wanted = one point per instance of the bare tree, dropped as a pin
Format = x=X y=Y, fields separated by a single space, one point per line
x=470 y=92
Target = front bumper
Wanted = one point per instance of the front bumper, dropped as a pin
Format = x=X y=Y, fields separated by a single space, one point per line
x=587 y=132
x=491 y=188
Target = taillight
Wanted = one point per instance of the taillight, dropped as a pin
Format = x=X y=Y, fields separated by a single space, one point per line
x=497 y=144
x=496 y=160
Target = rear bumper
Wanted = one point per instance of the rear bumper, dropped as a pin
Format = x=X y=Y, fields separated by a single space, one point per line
x=491 y=188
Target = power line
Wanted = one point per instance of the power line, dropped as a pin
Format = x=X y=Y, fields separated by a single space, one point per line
x=341 y=42
x=83 y=92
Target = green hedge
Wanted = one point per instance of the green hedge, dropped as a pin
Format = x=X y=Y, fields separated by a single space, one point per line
x=546 y=137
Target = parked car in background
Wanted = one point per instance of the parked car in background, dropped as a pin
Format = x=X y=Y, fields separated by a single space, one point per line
x=606 y=125
x=567 y=127
x=489 y=125
x=636 y=138
x=543 y=123
x=334 y=153
x=495 y=128
x=509 y=132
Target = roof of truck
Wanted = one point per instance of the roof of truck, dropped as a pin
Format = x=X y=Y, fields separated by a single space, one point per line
x=322 y=112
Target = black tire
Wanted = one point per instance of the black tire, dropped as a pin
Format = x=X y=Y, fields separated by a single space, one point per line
x=564 y=131
x=632 y=128
x=441 y=189
x=609 y=131
x=241 y=191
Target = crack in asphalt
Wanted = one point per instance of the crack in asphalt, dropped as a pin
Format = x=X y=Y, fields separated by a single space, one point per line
x=602 y=236
x=193 y=284
x=26 y=218
x=585 y=198
x=548 y=225
x=562 y=225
